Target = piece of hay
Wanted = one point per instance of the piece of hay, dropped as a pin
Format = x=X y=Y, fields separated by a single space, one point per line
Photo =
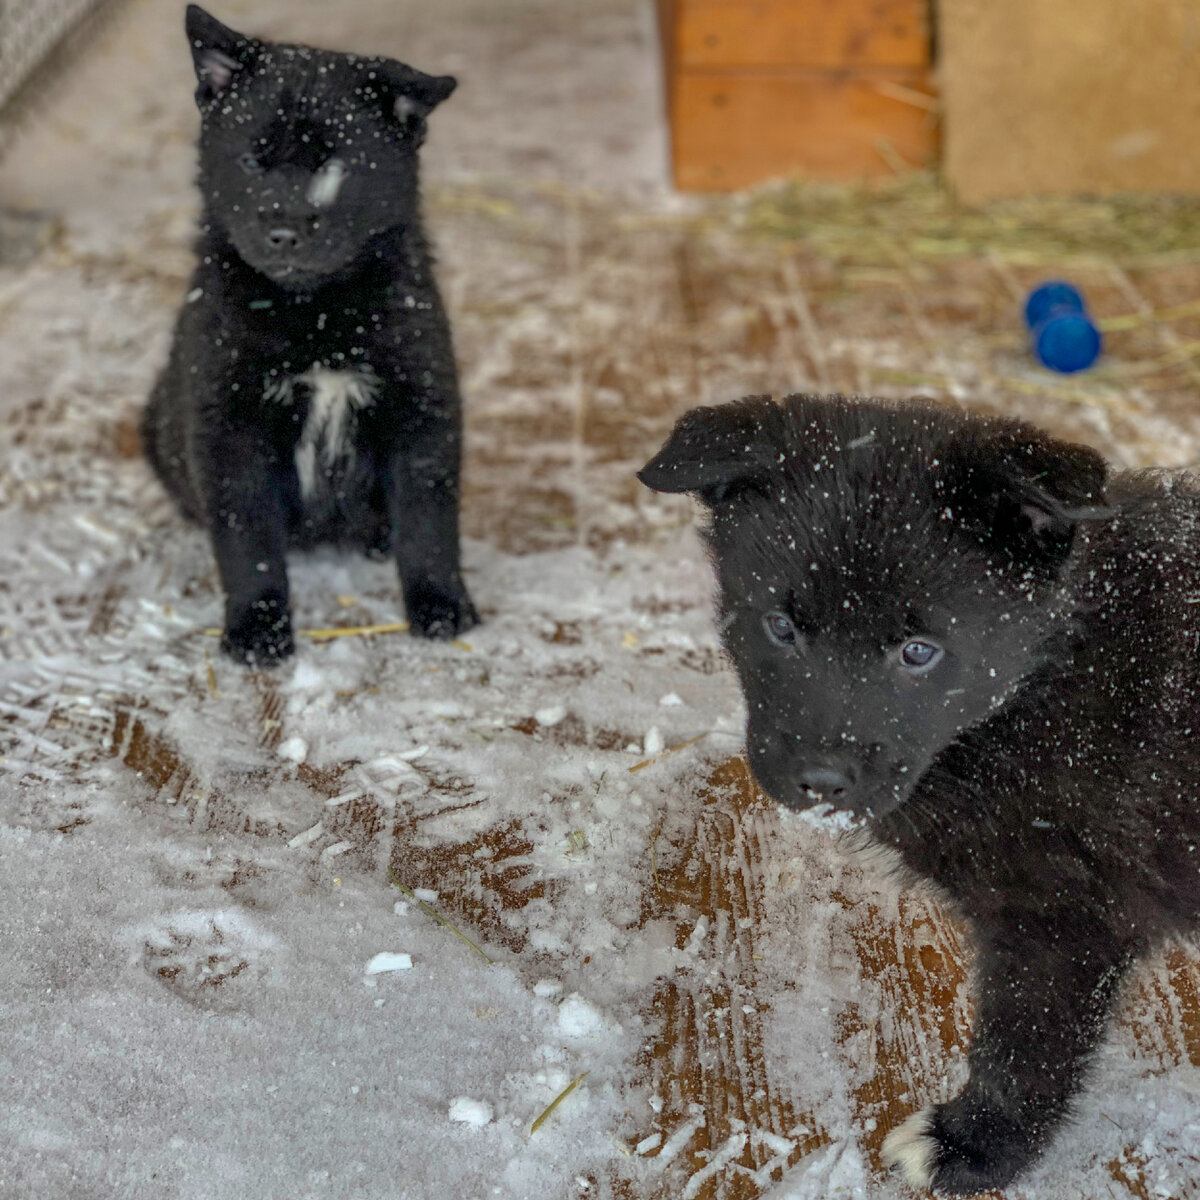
x=667 y=752
x=328 y=635
x=437 y=916
x=914 y=214
x=1176 y=312
x=557 y=1101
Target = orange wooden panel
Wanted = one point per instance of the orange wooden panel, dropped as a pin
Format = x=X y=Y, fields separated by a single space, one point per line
x=806 y=33
x=733 y=129
x=1065 y=98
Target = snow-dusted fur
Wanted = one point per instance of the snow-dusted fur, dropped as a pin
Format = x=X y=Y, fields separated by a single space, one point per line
x=311 y=394
x=979 y=643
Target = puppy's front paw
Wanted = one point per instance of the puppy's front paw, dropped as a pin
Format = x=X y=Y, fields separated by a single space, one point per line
x=911 y=1152
x=439 y=612
x=260 y=635
x=953 y=1150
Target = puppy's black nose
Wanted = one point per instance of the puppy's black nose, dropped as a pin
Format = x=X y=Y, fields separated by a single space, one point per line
x=283 y=239
x=826 y=780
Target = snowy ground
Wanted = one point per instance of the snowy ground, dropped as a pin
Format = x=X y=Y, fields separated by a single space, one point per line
x=196 y=858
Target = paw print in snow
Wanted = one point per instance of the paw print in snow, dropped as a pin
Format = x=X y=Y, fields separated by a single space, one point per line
x=211 y=959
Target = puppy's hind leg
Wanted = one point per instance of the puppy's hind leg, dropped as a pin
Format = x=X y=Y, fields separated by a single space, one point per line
x=151 y=427
x=164 y=441
x=1044 y=1000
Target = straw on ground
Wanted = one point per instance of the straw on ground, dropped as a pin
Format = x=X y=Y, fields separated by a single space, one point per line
x=437 y=916
x=557 y=1101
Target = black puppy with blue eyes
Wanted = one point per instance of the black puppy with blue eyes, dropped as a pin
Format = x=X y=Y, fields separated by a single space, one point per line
x=311 y=394
x=985 y=649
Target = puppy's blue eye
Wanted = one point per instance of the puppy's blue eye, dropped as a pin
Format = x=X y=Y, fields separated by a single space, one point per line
x=780 y=629
x=920 y=655
x=250 y=164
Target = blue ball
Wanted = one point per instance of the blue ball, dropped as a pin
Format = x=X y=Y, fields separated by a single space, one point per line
x=1064 y=337
x=1050 y=296
x=1067 y=341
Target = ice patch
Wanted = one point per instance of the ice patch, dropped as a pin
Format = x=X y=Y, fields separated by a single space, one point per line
x=306 y=838
x=698 y=934
x=579 y=1018
x=549 y=717
x=835 y=1170
x=467 y=1111
x=307 y=676
x=681 y=1135
x=295 y=749
x=389 y=961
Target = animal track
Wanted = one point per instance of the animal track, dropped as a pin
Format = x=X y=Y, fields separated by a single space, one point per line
x=210 y=959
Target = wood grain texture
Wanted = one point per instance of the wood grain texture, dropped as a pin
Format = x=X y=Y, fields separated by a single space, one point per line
x=1054 y=96
x=734 y=129
x=809 y=33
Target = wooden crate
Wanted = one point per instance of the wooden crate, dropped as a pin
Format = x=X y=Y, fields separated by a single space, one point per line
x=1046 y=96
x=835 y=89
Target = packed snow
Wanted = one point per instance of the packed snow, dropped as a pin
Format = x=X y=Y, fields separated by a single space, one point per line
x=466 y=1111
x=389 y=960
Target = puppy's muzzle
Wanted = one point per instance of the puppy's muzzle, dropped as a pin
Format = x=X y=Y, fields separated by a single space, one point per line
x=282 y=240
x=831 y=781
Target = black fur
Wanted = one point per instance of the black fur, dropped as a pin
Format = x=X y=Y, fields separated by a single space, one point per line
x=313 y=276
x=1043 y=771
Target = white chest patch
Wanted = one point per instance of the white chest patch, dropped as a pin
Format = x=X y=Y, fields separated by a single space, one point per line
x=327 y=439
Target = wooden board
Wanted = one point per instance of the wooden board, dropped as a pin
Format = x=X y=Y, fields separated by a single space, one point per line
x=1059 y=96
x=834 y=89
x=818 y=33
x=731 y=129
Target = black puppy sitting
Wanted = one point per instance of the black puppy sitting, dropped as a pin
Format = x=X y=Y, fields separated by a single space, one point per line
x=960 y=632
x=311 y=393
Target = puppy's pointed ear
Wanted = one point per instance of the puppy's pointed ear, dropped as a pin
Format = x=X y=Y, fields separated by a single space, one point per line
x=412 y=95
x=218 y=52
x=715 y=451
x=1027 y=492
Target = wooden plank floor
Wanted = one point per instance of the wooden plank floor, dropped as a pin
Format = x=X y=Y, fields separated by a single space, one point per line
x=724 y=1129
x=586 y=320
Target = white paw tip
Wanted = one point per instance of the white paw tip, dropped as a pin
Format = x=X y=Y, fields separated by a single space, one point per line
x=910 y=1151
